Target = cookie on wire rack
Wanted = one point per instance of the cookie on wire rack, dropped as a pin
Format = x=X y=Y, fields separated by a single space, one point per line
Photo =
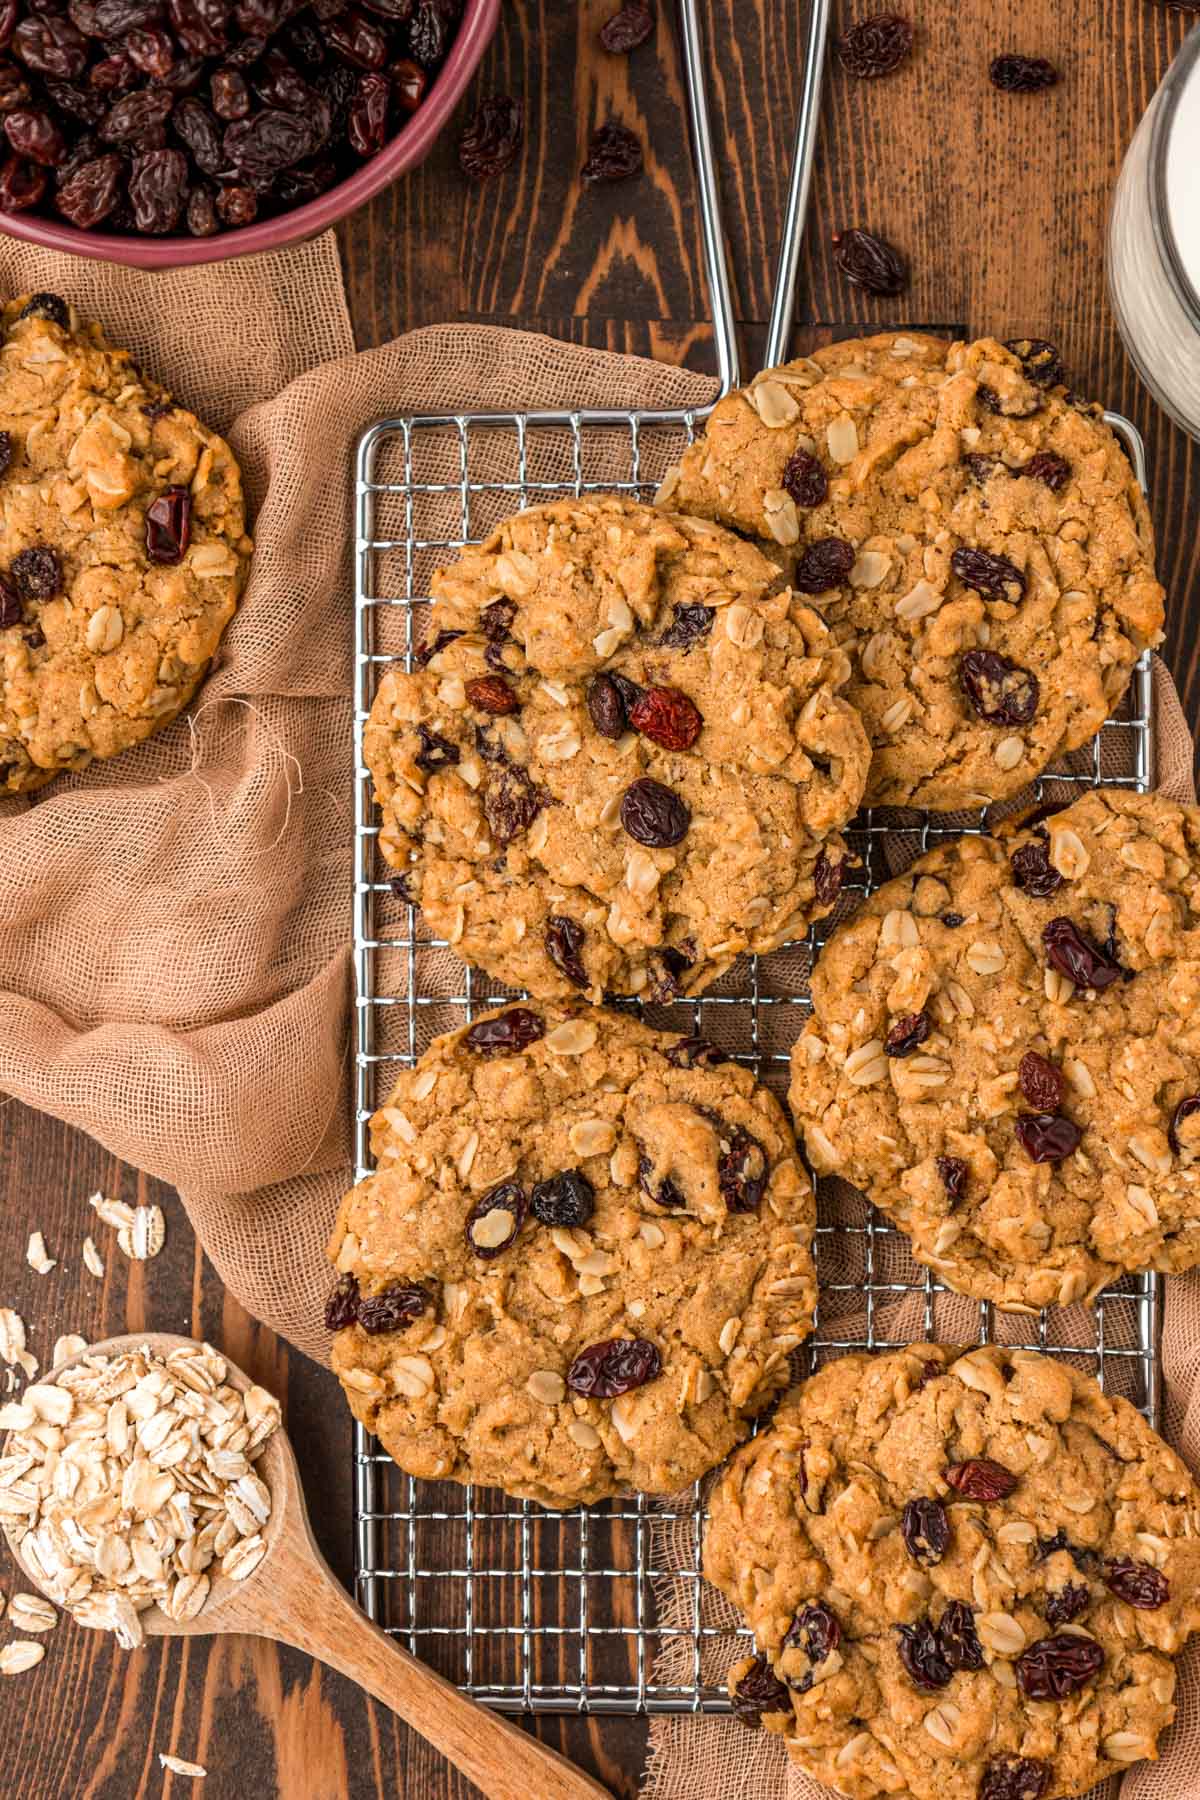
x=123 y=547
x=1004 y=1052
x=973 y=534
x=967 y=1574
x=581 y=1263
x=622 y=758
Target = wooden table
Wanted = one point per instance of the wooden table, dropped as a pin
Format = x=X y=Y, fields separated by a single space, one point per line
x=999 y=202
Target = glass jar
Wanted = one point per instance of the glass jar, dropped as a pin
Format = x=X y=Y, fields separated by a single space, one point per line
x=1154 y=242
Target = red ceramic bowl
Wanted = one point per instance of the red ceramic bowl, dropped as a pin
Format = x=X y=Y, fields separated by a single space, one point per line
x=411 y=144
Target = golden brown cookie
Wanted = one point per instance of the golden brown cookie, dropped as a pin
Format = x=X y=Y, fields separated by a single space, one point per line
x=967 y=1574
x=972 y=534
x=581 y=1262
x=1004 y=1052
x=123 y=547
x=622 y=758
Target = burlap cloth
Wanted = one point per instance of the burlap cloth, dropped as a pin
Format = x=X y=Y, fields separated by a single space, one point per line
x=174 y=925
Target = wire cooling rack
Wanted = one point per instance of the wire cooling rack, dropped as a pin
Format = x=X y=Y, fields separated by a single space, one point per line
x=544 y=1611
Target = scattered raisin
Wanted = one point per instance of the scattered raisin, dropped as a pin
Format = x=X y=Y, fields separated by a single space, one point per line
x=925 y=1530
x=992 y=576
x=492 y=694
x=515 y=1029
x=958 y=1639
x=875 y=46
x=824 y=564
x=869 y=262
x=1000 y=690
x=1054 y=471
x=628 y=28
x=495 y=1219
x=394 y=1309
x=759 y=1691
x=922 y=1656
x=690 y=624
x=614 y=154
x=953 y=1171
x=981 y=1479
x=492 y=138
x=1187 y=1106
x=1066 y=1603
x=667 y=717
x=1139 y=1584
x=564 y=946
x=804 y=479
x=37 y=573
x=341 y=1308
x=653 y=815
x=742 y=1172
x=1078 y=957
x=907 y=1034
x=1041 y=1082
x=1033 y=872
x=604 y=1371
x=567 y=1199
x=1057 y=1666
x=1014 y=1778
x=1022 y=74
x=436 y=752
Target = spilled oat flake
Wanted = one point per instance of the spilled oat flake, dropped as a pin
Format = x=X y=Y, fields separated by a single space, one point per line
x=141 y=1230
x=175 y=1765
x=12 y=1343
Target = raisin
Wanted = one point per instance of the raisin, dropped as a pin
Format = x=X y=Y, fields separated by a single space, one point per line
x=1000 y=690
x=22 y=184
x=113 y=74
x=981 y=1479
x=169 y=519
x=236 y=204
x=953 y=1171
x=355 y=40
x=429 y=33
x=827 y=879
x=1186 y=1108
x=1014 y=1778
x=1016 y=406
x=47 y=306
x=921 y=1655
x=436 y=752
x=1041 y=1082
x=409 y=81
x=1054 y=471
x=277 y=84
x=511 y=805
x=497 y=619
x=742 y=1172
x=668 y=966
x=665 y=1194
x=367 y=126
x=603 y=1371
x=491 y=140
x=51 y=45
x=1139 y=1584
x=925 y=1530
x=870 y=262
x=341 y=1308
x=1040 y=362
x=564 y=946
x=694 y=1053
x=152 y=51
x=992 y=576
x=196 y=127
x=614 y=154
x=137 y=121
x=492 y=694
x=606 y=707
x=875 y=46
x=158 y=187
x=759 y=1691
x=952 y=920
x=1066 y=1603
x=394 y=1309
x=824 y=564
x=1022 y=74
x=1086 y=1561
x=1033 y=872
x=495 y=1219
x=1057 y=1666
x=653 y=815
x=5 y=451
x=804 y=479
x=982 y=468
x=259 y=147
x=567 y=1199
x=202 y=220
x=1078 y=957
x=37 y=573
x=515 y=1029
x=818 y=1632
x=628 y=28
x=667 y=717
x=113 y=18
x=907 y=1034
x=11 y=610
x=91 y=191
x=690 y=624
x=401 y=886
x=425 y=653
x=957 y=1638
x=230 y=94
x=33 y=134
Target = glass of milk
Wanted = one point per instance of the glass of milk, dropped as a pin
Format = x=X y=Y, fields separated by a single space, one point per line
x=1154 y=242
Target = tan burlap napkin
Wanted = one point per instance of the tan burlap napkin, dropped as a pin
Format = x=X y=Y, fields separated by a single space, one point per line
x=174 y=925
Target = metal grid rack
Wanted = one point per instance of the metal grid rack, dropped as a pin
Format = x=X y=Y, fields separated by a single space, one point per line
x=544 y=1611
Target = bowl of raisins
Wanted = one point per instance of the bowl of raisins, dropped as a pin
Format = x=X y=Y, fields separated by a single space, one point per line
x=162 y=132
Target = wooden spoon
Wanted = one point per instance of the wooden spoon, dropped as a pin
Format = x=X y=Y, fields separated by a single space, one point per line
x=294 y=1596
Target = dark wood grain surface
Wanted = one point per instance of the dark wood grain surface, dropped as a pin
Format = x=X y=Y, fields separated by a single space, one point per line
x=999 y=202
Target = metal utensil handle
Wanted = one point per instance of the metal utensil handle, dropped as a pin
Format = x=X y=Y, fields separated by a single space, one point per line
x=716 y=260
x=783 y=302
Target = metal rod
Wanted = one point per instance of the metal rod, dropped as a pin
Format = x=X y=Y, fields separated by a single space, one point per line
x=716 y=260
x=783 y=303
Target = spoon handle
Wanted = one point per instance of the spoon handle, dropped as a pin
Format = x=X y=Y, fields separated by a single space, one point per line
x=304 y=1604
